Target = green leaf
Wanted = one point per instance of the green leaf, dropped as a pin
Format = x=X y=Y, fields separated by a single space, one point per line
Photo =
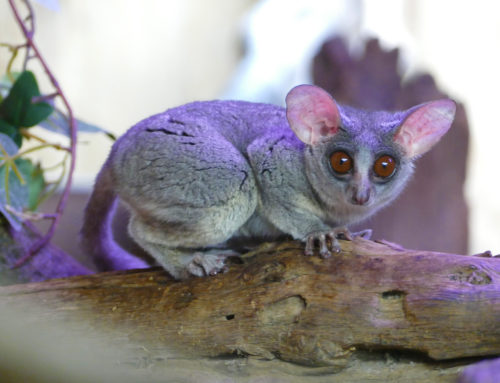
x=36 y=113
x=6 y=83
x=33 y=175
x=19 y=98
x=18 y=108
x=12 y=132
x=18 y=196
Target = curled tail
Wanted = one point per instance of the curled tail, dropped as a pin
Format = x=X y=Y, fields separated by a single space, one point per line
x=96 y=235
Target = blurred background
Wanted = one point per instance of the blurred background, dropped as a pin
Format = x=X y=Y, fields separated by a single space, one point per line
x=120 y=61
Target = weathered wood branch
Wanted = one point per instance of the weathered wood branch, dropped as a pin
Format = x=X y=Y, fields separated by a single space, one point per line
x=279 y=303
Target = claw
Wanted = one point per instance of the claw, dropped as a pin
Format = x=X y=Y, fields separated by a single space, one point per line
x=323 y=247
x=344 y=233
x=322 y=239
x=309 y=251
x=336 y=245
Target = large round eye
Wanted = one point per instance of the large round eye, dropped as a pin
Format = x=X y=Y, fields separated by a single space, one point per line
x=384 y=166
x=341 y=162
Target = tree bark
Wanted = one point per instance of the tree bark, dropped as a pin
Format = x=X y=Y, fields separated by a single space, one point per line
x=278 y=303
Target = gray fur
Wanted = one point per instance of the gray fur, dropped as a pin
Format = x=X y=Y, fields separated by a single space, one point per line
x=205 y=174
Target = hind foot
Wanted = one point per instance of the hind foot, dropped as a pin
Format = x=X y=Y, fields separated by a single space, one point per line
x=205 y=264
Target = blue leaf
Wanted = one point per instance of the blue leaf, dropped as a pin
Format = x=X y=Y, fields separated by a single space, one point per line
x=58 y=123
x=18 y=197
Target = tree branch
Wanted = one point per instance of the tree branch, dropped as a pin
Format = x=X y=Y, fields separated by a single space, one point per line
x=281 y=304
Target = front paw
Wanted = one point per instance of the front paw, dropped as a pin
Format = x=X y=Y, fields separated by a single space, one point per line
x=322 y=238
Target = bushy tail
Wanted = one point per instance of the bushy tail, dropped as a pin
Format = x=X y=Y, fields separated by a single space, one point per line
x=96 y=236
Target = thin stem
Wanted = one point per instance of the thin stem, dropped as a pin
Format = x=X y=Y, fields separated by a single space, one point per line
x=17 y=172
x=55 y=184
x=8 y=162
x=4 y=152
x=31 y=150
x=31 y=216
x=61 y=164
x=44 y=98
x=26 y=133
x=31 y=18
x=15 y=50
x=28 y=34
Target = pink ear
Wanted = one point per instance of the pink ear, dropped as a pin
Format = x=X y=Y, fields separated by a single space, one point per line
x=425 y=126
x=312 y=114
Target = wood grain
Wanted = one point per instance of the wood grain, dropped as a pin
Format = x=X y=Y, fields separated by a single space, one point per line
x=281 y=304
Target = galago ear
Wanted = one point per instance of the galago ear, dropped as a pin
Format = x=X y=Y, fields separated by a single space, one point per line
x=312 y=114
x=424 y=126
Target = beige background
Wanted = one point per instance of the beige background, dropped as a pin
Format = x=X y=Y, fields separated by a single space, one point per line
x=122 y=60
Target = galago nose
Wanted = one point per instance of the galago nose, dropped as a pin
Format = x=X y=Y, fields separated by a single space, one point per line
x=360 y=197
